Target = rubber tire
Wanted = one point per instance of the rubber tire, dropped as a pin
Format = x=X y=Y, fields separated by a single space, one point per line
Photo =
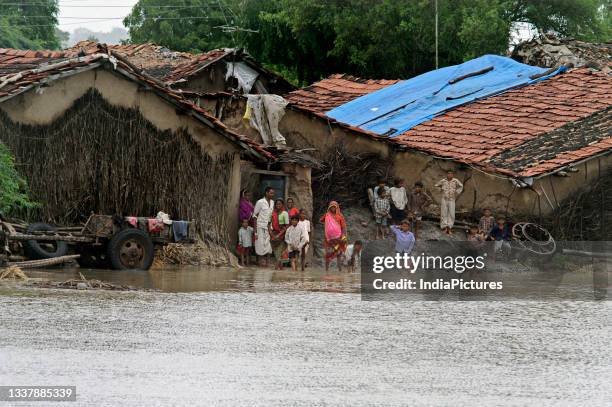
x=114 y=248
x=33 y=249
x=93 y=257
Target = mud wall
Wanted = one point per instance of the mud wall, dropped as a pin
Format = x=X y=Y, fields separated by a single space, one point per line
x=208 y=80
x=97 y=142
x=481 y=189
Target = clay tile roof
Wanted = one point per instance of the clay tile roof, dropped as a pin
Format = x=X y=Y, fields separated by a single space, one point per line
x=12 y=60
x=514 y=132
x=196 y=64
x=336 y=90
x=565 y=145
x=153 y=59
x=24 y=80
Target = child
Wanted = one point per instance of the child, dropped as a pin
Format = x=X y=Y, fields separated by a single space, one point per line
x=245 y=242
x=501 y=235
x=399 y=200
x=305 y=224
x=381 y=212
x=486 y=223
x=381 y=184
x=352 y=255
x=404 y=238
x=296 y=239
x=474 y=235
x=418 y=201
x=475 y=238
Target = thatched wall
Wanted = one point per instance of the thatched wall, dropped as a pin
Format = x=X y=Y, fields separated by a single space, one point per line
x=101 y=158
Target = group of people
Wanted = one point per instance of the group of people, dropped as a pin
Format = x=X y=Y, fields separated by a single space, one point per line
x=273 y=227
x=491 y=229
x=276 y=227
x=405 y=210
x=397 y=204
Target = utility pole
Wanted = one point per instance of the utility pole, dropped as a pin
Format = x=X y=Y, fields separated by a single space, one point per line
x=436 y=3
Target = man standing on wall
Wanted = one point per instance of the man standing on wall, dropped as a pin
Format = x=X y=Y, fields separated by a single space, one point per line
x=263 y=215
x=451 y=187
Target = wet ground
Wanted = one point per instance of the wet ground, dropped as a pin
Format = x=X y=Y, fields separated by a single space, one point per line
x=264 y=338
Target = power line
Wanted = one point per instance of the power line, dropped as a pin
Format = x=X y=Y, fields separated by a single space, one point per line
x=114 y=6
x=111 y=18
x=101 y=19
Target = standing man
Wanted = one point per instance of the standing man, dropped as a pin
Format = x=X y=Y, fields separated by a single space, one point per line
x=263 y=215
x=451 y=187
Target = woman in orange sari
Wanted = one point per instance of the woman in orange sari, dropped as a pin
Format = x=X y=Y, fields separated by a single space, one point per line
x=335 y=234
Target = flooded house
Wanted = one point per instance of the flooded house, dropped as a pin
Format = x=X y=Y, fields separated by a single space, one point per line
x=522 y=139
x=92 y=133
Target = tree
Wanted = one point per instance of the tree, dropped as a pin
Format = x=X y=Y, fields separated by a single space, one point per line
x=310 y=39
x=183 y=25
x=29 y=24
x=12 y=186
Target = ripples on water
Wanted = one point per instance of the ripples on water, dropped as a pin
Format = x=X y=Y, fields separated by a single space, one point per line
x=304 y=348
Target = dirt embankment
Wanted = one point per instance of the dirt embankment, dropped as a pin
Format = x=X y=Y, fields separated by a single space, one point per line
x=361 y=226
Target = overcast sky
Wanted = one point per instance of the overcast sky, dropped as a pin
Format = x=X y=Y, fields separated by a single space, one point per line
x=97 y=15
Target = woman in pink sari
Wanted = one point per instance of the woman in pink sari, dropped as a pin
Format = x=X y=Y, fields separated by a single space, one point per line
x=245 y=210
x=335 y=234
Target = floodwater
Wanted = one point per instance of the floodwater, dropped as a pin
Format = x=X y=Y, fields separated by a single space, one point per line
x=264 y=338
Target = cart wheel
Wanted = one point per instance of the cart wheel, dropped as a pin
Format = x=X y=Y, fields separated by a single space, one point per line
x=37 y=250
x=131 y=249
x=93 y=257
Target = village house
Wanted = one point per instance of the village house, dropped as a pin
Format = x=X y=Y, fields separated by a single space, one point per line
x=521 y=149
x=229 y=70
x=210 y=79
x=92 y=133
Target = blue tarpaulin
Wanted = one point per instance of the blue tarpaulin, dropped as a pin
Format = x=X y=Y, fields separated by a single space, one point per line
x=399 y=107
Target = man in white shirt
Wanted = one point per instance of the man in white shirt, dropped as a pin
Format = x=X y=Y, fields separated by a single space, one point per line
x=450 y=187
x=263 y=215
x=399 y=200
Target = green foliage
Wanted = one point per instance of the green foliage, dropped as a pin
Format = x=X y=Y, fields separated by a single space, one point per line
x=188 y=25
x=310 y=39
x=12 y=185
x=29 y=24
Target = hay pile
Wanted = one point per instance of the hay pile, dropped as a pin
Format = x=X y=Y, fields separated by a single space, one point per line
x=345 y=176
x=13 y=273
x=197 y=254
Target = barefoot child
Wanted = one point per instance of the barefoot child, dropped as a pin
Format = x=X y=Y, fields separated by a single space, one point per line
x=486 y=223
x=296 y=239
x=381 y=212
x=305 y=224
x=245 y=242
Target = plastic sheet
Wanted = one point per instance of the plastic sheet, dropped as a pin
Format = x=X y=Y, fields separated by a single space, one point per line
x=399 y=107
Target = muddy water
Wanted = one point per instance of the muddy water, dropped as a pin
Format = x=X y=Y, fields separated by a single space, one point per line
x=260 y=338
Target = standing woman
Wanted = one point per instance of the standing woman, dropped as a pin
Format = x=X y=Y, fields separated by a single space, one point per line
x=280 y=222
x=291 y=209
x=335 y=235
x=246 y=208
